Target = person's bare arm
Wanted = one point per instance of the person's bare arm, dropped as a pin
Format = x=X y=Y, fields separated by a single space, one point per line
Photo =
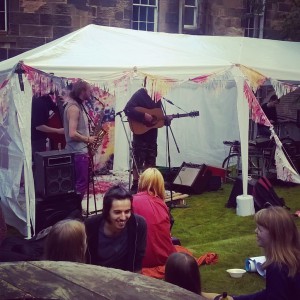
x=49 y=129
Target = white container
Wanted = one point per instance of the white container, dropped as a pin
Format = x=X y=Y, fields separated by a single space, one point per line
x=236 y=273
x=245 y=205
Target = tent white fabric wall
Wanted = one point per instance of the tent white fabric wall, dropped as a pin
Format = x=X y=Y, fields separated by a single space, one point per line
x=102 y=55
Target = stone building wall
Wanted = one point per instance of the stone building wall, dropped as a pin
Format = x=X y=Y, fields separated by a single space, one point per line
x=33 y=23
x=224 y=17
x=168 y=16
x=275 y=14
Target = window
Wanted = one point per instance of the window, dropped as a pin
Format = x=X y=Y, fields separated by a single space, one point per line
x=3 y=15
x=190 y=14
x=254 y=19
x=144 y=15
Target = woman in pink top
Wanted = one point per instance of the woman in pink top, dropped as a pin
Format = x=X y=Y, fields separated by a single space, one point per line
x=149 y=203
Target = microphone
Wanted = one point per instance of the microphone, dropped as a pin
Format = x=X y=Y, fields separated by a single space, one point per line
x=169 y=101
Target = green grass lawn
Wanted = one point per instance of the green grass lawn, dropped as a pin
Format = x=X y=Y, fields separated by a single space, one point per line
x=207 y=226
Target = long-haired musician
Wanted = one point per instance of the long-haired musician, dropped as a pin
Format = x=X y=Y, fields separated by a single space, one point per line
x=77 y=132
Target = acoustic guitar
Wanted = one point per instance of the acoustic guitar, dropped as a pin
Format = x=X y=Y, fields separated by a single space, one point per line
x=158 y=119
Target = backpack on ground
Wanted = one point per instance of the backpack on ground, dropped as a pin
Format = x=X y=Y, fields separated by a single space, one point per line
x=264 y=195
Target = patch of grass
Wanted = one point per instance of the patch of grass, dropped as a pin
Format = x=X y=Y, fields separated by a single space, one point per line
x=208 y=226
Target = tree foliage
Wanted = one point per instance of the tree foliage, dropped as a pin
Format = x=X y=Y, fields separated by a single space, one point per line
x=291 y=23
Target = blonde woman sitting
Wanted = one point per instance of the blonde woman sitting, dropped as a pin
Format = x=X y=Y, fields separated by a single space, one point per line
x=149 y=203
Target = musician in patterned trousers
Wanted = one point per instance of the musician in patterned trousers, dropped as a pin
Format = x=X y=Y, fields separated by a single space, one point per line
x=77 y=132
x=144 y=146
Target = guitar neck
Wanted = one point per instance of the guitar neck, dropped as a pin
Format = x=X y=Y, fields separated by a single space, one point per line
x=174 y=116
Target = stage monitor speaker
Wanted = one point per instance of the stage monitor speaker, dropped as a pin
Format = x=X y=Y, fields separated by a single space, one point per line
x=192 y=179
x=54 y=173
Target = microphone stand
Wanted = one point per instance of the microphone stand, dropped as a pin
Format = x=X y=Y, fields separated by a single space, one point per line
x=168 y=127
x=131 y=155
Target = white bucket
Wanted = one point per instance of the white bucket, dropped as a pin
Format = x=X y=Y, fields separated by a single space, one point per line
x=244 y=205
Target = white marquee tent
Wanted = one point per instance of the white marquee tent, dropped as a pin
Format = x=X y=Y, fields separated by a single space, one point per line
x=213 y=75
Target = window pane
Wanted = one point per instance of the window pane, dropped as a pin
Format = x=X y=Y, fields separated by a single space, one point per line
x=190 y=2
x=143 y=13
x=135 y=16
x=189 y=16
x=151 y=12
x=135 y=25
x=142 y=26
x=150 y=27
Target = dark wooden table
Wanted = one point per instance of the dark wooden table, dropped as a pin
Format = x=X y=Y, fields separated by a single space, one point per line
x=66 y=280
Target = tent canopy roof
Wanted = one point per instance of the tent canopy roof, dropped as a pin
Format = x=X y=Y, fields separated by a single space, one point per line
x=95 y=51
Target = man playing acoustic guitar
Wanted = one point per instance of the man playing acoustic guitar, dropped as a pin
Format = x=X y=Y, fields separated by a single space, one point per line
x=144 y=145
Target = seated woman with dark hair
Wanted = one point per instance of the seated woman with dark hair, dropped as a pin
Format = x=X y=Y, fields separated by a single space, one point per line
x=182 y=270
x=149 y=203
x=66 y=241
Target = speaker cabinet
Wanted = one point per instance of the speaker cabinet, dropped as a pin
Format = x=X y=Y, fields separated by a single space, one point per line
x=192 y=179
x=54 y=173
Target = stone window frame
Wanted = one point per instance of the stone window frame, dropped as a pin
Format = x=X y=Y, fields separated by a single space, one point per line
x=254 y=20
x=146 y=7
x=192 y=7
x=4 y=13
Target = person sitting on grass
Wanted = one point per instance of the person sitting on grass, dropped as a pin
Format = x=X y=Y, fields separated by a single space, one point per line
x=66 y=241
x=278 y=235
x=182 y=270
x=149 y=203
x=117 y=237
